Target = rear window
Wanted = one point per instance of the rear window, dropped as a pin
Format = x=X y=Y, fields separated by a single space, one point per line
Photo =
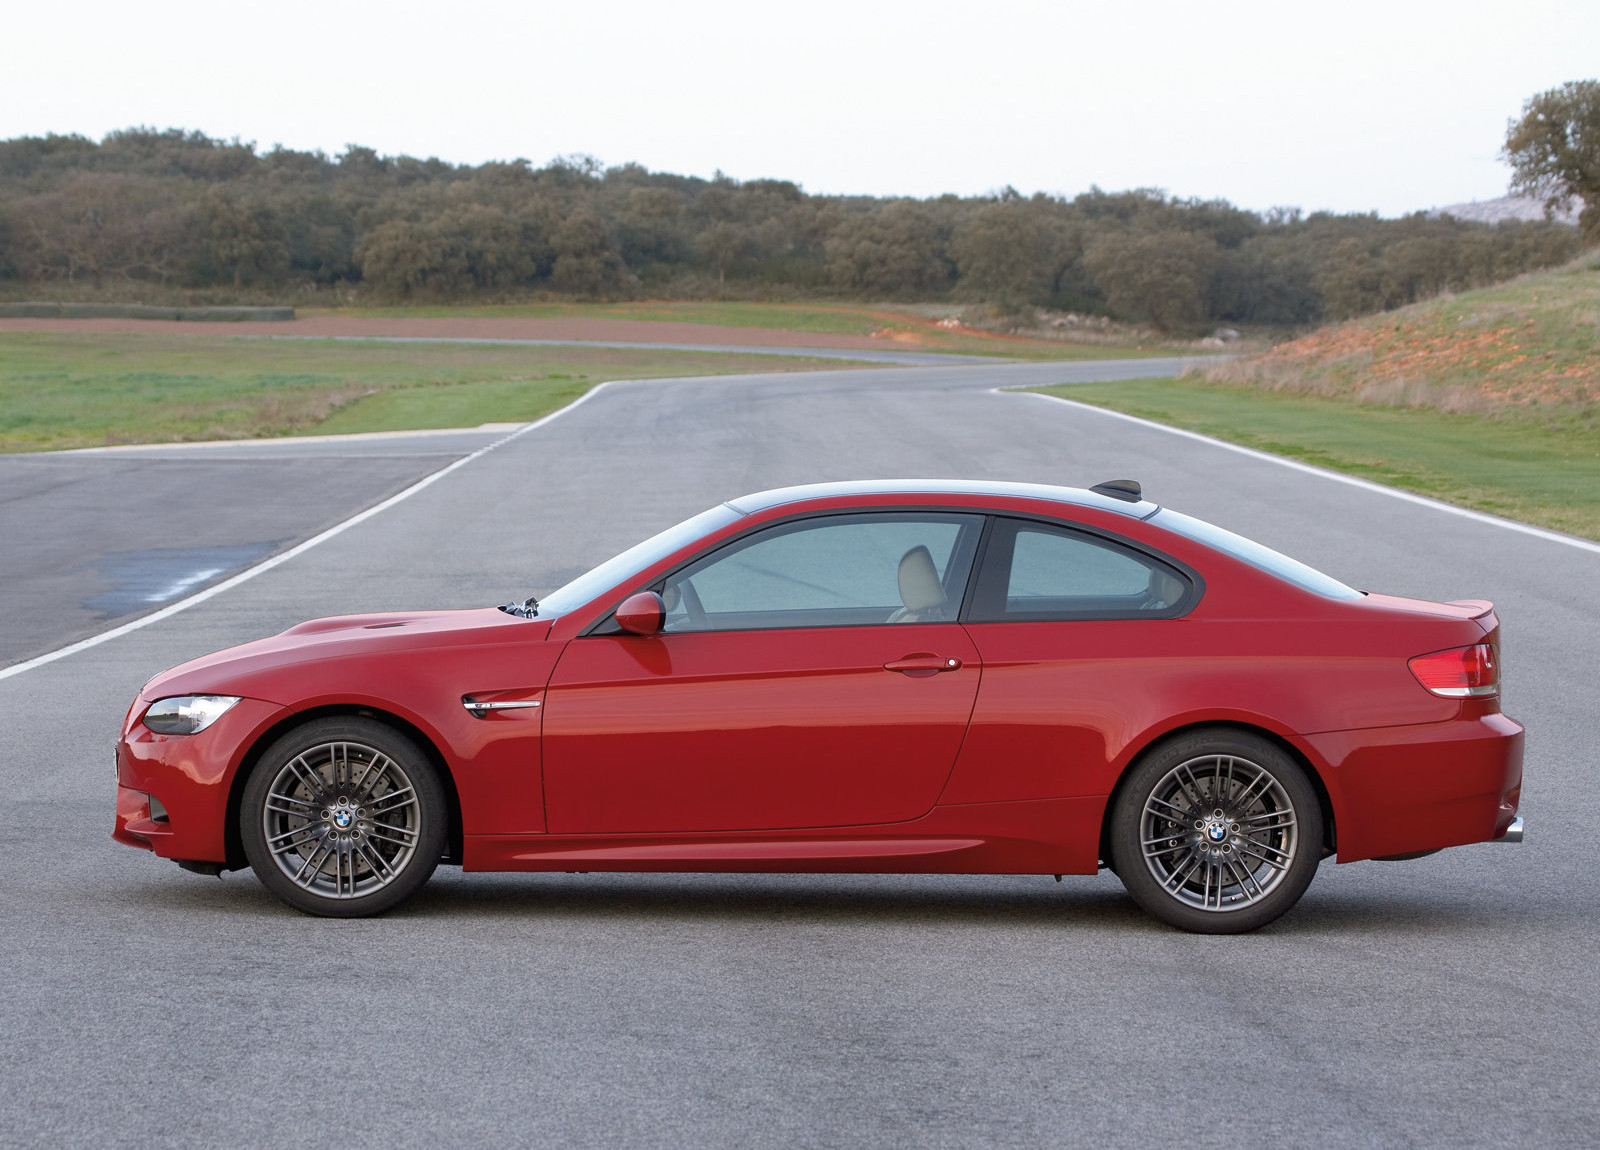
x=1253 y=553
x=1039 y=571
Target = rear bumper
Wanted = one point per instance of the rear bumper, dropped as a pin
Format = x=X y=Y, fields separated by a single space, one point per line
x=1397 y=790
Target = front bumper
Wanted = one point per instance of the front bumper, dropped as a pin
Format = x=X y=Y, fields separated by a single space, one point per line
x=188 y=776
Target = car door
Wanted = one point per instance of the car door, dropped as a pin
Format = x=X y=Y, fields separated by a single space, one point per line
x=809 y=674
x=1079 y=634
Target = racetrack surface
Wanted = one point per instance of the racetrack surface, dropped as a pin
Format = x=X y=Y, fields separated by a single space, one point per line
x=97 y=536
x=571 y=329
x=1447 y=1001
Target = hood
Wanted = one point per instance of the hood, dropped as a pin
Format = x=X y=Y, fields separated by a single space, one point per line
x=232 y=671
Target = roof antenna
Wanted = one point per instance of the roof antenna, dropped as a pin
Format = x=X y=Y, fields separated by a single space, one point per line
x=1126 y=490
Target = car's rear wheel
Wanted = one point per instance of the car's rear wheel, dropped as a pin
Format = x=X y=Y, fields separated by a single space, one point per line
x=343 y=817
x=1216 y=832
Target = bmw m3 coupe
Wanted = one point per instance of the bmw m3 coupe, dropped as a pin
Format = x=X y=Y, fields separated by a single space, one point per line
x=918 y=676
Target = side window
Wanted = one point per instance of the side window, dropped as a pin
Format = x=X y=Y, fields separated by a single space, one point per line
x=1038 y=571
x=829 y=571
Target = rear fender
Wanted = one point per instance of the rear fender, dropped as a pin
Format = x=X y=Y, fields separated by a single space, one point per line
x=1291 y=745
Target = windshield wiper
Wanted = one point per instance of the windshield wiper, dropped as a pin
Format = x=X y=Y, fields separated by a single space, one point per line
x=526 y=609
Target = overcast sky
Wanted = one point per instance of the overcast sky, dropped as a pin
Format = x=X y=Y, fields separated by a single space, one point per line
x=1351 y=106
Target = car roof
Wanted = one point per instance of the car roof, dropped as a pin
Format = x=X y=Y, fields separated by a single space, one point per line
x=1075 y=496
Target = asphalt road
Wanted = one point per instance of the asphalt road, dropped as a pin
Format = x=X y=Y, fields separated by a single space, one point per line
x=1449 y=1001
x=95 y=537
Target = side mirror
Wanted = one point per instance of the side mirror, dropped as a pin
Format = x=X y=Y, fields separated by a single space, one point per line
x=641 y=613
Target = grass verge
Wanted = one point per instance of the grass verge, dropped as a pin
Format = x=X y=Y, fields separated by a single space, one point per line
x=90 y=390
x=903 y=328
x=1526 y=469
x=819 y=318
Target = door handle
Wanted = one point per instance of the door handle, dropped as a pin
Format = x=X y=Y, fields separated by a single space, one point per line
x=923 y=664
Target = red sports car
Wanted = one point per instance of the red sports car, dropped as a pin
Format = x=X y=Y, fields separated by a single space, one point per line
x=874 y=677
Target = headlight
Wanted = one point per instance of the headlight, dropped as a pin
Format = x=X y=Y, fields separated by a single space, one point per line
x=186 y=714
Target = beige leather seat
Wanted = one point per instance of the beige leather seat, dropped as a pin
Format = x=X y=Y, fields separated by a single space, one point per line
x=1164 y=591
x=920 y=589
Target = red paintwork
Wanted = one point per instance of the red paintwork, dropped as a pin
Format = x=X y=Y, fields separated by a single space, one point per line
x=1056 y=836
x=1414 y=788
x=413 y=667
x=856 y=748
x=189 y=774
x=752 y=730
x=641 y=614
x=134 y=826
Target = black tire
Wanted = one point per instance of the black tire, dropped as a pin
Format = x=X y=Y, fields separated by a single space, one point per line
x=1216 y=832
x=343 y=817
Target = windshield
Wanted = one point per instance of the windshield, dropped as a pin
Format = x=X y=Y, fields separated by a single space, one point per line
x=1253 y=553
x=601 y=579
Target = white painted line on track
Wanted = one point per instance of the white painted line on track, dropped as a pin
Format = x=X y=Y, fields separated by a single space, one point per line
x=299 y=549
x=292 y=440
x=182 y=585
x=1337 y=477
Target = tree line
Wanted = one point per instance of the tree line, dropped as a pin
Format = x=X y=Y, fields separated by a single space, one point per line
x=1554 y=151
x=165 y=210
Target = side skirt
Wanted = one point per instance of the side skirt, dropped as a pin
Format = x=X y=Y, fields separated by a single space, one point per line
x=1045 y=836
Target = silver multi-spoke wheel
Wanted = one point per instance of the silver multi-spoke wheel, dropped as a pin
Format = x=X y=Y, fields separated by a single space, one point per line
x=1218 y=833
x=341 y=820
x=343 y=817
x=1217 y=830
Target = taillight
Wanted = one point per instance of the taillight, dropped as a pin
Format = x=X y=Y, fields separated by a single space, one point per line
x=1460 y=673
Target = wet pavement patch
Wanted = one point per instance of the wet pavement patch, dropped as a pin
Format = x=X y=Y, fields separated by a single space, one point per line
x=141 y=580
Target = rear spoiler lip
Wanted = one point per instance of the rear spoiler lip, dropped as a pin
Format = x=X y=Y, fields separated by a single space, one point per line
x=1485 y=617
x=1461 y=610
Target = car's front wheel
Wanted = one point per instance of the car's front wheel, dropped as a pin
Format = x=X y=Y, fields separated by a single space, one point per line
x=1216 y=832
x=343 y=817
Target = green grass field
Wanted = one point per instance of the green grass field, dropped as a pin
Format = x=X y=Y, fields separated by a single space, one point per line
x=1522 y=468
x=62 y=390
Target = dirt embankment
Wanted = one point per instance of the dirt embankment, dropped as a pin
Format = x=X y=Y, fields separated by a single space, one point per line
x=1530 y=344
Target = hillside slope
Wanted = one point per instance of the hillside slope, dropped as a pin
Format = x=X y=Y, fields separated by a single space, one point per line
x=1527 y=347
x=1526 y=208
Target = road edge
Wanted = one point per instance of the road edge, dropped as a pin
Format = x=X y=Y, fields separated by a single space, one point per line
x=301 y=548
x=1337 y=476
